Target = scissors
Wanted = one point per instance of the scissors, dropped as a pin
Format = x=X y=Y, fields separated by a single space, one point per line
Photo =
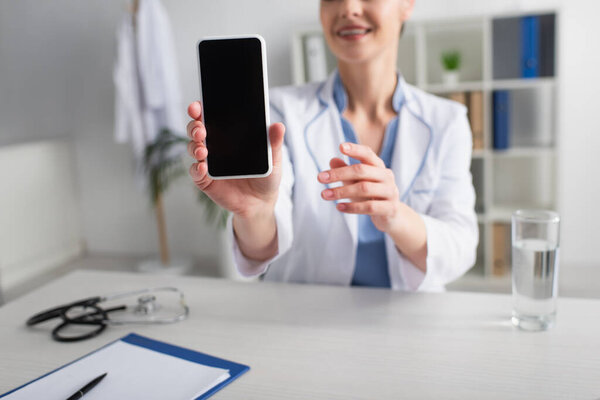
x=95 y=319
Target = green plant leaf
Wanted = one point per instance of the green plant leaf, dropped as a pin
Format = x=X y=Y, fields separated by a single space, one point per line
x=451 y=60
x=163 y=163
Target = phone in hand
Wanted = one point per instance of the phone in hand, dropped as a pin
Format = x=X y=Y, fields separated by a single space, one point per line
x=235 y=106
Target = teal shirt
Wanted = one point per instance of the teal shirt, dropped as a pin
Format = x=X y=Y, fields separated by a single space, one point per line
x=371 y=268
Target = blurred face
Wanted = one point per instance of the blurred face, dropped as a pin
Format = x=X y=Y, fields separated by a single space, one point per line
x=358 y=31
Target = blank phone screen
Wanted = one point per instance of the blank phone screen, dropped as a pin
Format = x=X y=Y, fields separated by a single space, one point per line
x=234 y=106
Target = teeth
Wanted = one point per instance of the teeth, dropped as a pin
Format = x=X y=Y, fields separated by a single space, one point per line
x=353 y=32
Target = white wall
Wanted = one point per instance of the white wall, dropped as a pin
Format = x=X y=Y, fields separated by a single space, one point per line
x=580 y=127
x=39 y=210
x=116 y=217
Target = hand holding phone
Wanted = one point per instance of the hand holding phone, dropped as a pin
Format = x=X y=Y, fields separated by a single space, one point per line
x=242 y=196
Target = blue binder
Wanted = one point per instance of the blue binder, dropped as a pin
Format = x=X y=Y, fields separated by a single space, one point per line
x=530 y=47
x=235 y=369
x=501 y=119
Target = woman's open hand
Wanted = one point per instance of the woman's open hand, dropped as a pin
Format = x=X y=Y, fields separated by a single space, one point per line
x=369 y=185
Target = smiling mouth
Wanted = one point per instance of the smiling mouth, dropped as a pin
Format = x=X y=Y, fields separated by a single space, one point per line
x=353 y=32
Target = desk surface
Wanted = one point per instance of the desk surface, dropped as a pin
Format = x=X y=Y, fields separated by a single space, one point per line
x=313 y=342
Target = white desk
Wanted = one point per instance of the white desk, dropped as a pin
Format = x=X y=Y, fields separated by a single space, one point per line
x=318 y=342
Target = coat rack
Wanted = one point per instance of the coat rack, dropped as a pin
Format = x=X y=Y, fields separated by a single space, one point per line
x=165 y=256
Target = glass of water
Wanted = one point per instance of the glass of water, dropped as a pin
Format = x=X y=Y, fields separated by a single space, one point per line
x=535 y=248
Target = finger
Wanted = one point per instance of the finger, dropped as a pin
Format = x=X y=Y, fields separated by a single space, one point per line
x=364 y=190
x=197 y=150
x=354 y=172
x=336 y=162
x=361 y=153
x=333 y=163
x=368 y=207
x=196 y=131
x=195 y=110
x=276 y=134
x=199 y=174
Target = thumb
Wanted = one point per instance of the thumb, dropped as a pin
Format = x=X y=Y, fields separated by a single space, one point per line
x=276 y=133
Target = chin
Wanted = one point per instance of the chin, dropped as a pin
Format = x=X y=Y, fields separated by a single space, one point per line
x=353 y=57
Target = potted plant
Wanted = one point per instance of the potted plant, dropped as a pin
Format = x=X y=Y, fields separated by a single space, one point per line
x=451 y=64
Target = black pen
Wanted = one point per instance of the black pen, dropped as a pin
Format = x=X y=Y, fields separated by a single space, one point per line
x=87 y=387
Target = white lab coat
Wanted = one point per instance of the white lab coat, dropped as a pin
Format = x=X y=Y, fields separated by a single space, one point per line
x=147 y=96
x=431 y=160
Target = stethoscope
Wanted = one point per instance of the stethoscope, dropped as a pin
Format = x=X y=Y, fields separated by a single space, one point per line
x=88 y=313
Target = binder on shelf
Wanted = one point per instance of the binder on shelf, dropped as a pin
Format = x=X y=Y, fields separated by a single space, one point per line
x=501 y=106
x=460 y=97
x=476 y=118
x=547 y=42
x=136 y=367
x=501 y=252
x=524 y=47
x=530 y=47
x=474 y=103
x=506 y=46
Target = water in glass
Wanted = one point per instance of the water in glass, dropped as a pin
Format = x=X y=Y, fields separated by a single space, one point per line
x=535 y=281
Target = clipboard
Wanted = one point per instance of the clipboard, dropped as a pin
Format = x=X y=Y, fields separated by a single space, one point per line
x=165 y=349
x=235 y=369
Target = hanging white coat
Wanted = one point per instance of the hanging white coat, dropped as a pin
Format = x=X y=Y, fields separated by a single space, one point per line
x=147 y=95
x=431 y=160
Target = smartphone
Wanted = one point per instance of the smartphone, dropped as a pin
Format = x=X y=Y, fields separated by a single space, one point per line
x=235 y=106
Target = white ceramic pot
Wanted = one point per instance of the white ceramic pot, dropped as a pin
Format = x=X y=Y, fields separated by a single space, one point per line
x=450 y=78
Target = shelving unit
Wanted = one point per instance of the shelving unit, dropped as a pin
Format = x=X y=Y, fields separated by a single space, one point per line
x=522 y=176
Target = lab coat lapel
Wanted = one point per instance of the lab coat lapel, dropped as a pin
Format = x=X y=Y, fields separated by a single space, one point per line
x=412 y=144
x=323 y=135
